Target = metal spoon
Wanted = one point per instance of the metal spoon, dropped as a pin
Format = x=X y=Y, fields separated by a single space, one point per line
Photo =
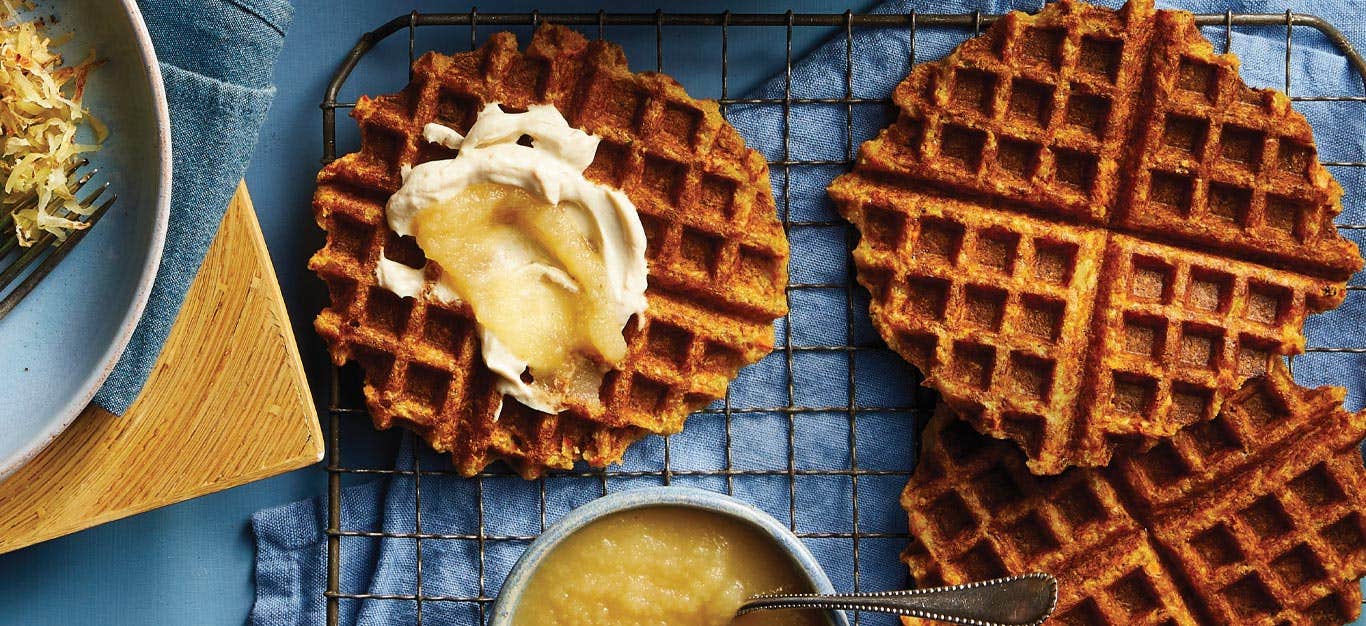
x=1025 y=600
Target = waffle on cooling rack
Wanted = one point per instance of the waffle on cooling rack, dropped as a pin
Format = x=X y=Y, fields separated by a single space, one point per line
x=717 y=256
x=1087 y=231
x=1255 y=517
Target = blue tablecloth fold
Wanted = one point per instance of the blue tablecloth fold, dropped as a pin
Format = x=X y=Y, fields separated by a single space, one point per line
x=216 y=60
x=291 y=546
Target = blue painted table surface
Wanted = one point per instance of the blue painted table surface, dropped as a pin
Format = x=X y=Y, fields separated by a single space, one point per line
x=192 y=563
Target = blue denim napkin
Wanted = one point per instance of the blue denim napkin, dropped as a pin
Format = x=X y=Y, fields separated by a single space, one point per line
x=216 y=59
x=291 y=544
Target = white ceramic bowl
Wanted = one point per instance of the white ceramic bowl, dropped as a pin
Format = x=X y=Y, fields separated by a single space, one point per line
x=686 y=497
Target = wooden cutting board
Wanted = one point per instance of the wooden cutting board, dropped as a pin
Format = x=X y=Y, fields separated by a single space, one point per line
x=227 y=403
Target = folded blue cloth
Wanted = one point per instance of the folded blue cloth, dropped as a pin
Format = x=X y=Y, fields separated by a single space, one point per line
x=216 y=59
x=291 y=544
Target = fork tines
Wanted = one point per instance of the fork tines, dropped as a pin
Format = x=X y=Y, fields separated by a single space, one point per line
x=22 y=267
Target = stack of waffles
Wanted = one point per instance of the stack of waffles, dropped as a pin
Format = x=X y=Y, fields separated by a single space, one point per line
x=1098 y=245
x=717 y=256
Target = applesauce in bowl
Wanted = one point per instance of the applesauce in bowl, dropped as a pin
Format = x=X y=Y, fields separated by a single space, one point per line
x=668 y=556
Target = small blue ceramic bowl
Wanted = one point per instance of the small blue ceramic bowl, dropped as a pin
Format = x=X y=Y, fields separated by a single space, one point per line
x=651 y=497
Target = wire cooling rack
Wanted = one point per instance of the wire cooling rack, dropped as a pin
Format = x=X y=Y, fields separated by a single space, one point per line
x=347 y=411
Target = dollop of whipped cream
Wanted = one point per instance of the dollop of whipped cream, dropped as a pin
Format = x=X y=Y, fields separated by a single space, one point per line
x=535 y=257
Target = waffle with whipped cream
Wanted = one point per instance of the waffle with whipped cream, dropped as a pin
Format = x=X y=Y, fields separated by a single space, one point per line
x=716 y=255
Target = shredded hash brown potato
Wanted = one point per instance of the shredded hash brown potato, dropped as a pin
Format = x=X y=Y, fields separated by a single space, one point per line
x=40 y=114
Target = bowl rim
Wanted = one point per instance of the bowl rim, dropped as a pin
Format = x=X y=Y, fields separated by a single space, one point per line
x=648 y=497
x=143 y=291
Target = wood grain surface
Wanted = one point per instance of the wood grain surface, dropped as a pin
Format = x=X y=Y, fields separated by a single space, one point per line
x=227 y=404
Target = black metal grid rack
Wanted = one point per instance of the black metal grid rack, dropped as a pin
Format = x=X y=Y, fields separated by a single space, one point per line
x=345 y=406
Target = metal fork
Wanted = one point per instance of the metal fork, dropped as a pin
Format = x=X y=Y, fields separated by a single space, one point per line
x=46 y=252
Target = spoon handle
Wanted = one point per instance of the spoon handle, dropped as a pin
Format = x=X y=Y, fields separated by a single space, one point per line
x=1024 y=600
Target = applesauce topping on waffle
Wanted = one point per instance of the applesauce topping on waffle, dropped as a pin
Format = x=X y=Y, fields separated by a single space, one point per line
x=552 y=264
x=715 y=251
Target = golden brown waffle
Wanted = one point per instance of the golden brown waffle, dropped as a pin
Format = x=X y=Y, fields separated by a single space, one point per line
x=1255 y=517
x=1086 y=231
x=717 y=256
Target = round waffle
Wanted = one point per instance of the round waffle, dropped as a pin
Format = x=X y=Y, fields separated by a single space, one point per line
x=717 y=256
x=1255 y=517
x=1086 y=231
